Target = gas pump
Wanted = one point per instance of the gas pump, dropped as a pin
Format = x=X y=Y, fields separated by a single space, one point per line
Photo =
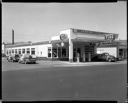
x=78 y=57
x=84 y=57
x=89 y=57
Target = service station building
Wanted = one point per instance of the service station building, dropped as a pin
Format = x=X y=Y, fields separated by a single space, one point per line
x=73 y=45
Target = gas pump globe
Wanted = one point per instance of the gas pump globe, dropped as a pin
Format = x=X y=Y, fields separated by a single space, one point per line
x=62 y=44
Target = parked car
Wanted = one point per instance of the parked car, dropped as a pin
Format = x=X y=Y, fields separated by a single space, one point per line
x=104 y=57
x=13 y=58
x=3 y=55
x=9 y=58
x=120 y=58
x=27 y=59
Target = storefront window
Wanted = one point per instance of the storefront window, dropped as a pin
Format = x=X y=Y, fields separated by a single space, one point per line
x=19 y=51
x=7 y=52
x=12 y=50
x=15 y=51
x=32 y=51
x=23 y=51
x=28 y=50
x=63 y=52
x=49 y=52
x=54 y=52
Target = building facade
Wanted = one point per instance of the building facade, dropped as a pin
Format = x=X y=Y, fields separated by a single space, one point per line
x=73 y=45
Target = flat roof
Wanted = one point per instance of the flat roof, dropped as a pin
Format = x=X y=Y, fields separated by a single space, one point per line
x=27 y=44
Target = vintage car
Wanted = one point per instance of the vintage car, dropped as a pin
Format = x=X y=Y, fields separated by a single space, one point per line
x=9 y=58
x=13 y=58
x=27 y=59
x=103 y=57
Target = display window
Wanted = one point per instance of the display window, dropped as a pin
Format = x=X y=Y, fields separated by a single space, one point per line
x=33 y=51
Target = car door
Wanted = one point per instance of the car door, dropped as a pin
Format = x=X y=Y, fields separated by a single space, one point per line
x=99 y=57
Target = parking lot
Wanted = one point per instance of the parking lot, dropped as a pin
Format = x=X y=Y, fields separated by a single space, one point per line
x=9 y=66
x=53 y=80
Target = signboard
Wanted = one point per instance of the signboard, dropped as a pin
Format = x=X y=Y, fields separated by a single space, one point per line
x=107 y=44
x=110 y=37
x=63 y=37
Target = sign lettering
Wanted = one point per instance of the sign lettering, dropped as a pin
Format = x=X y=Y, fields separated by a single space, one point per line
x=110 y=37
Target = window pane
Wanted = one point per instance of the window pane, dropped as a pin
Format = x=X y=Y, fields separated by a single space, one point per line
x=12 y=50
x=7 y=51
x=28 y=50
x=19 y=51
x=16 y=51
x=54 y=52
x=23 y=50
x=32 y=50
x=49 y=52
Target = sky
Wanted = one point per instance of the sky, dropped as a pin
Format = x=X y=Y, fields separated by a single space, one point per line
x=40 y=21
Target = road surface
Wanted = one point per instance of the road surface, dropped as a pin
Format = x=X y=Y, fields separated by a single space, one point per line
x=49 y=82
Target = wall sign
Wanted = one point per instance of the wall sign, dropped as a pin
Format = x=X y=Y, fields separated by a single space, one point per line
x=63 y=37
x=79 y=30
x=102 y=44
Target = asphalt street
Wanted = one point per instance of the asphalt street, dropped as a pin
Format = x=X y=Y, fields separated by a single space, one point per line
x=48 y=82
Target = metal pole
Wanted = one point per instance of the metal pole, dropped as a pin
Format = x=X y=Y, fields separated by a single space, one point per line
x=61 y=52
x=57 y=51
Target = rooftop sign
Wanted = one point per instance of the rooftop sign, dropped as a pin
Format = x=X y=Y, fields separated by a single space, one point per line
x=63 y=37
x=110 y=37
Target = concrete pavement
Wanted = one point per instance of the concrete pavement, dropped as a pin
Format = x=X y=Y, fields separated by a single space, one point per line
x=8 y=66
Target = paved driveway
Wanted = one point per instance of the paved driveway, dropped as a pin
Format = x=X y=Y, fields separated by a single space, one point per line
x=45 y=81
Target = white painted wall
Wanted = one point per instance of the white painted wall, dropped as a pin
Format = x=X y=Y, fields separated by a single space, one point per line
x=110 y=50
x=3 y=48
x=55 y=37
x=43 y=49
x=38 y=49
